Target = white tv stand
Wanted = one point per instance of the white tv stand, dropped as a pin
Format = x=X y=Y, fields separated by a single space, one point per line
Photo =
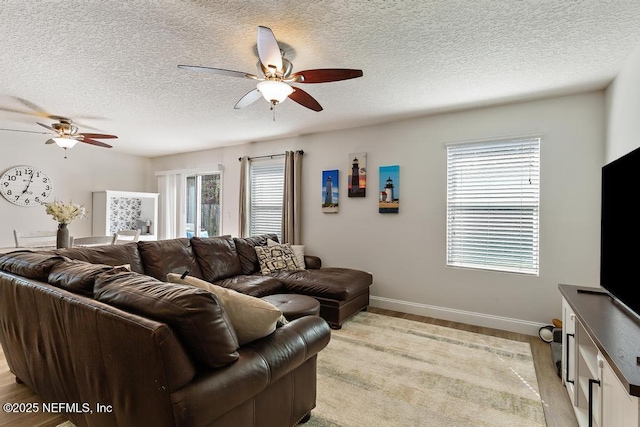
x=600 y=347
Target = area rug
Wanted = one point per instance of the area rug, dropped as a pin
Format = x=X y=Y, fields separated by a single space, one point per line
x=386 y=371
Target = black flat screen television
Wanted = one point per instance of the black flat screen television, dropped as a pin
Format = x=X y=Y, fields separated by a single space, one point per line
x=620 y=230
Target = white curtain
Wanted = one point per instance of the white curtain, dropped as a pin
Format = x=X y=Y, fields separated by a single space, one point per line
x=244 y=197
x=172 y=209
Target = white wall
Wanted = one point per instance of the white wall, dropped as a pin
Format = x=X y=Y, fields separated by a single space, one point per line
x=623 y=110
x=406 y=251
x=85 y=170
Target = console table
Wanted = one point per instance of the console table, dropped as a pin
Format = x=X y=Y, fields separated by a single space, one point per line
x=600 y=347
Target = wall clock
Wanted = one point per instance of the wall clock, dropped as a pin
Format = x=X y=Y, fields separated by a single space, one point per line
x=25 y=186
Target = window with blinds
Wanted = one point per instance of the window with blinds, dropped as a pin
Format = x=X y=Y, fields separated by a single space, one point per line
x=266 y=197
x=493 y=199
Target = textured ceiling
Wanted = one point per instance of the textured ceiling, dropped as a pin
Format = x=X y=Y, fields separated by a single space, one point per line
x=112 y=65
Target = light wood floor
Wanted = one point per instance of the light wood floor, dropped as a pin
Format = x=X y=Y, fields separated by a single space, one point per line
x=557 y=407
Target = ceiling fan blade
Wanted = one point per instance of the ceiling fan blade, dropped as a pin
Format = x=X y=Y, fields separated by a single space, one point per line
x=97 y=135
x=26 y=131
x=304 y=99
x=37 y=110
x=324 y=75
x=249 y=98
x=219 y=71
x=11 y=110
x=48 y=127
x=268 y=49
x=94 y=142
x=84 y=125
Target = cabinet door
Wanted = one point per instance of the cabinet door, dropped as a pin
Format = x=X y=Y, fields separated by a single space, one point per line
x=619 y=408
x=569 y=349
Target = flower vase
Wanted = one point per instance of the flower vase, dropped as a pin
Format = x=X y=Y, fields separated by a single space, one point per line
x=62 y=239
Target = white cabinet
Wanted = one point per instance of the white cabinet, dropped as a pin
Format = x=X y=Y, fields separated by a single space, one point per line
x=595 y=335
x=568 y=353
x=125 y=210
x=619 y=408
x=587 y=390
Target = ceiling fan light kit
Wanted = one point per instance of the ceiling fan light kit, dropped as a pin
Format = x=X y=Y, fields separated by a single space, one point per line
x=275 y=75
x=274 y=91
x=65 y=142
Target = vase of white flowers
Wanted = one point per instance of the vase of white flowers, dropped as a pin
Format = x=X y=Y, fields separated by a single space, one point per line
x=64 y=213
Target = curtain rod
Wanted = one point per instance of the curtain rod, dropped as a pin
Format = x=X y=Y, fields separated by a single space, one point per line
x=270 y=156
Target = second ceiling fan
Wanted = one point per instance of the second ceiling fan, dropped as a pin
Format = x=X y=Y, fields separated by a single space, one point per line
x=275 y=75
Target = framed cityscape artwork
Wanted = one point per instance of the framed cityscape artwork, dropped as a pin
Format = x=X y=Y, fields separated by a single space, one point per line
x=357 y=184
x=330 y=189
x=389 y=186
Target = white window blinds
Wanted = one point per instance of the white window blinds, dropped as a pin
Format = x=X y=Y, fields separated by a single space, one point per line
x=267 y=187
x=493 y=205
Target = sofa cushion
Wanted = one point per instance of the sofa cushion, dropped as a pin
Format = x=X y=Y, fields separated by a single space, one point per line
x=254 y=285
x=276 y=258
x=107 y=254
x=251 y=317
x=32 y=265
x=247 y=254
x=336 y=283
x=168 y=256
x=217 y=257
x=78 y=276
x=196 y=316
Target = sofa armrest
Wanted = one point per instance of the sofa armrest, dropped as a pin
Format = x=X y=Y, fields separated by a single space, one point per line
x=281 y=349
x=261 y=363
x=312 y=262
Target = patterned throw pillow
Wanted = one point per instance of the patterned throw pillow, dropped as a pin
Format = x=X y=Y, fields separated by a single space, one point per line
x=276 y=258
x=298 y=251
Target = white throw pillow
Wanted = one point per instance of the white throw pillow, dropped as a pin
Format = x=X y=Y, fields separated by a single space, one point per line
x=251 y=317
x=298 y=251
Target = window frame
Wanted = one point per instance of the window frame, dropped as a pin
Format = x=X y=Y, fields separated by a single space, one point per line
x=274 y=164
x=508 y=213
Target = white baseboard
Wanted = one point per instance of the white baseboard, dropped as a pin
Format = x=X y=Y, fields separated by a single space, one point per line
x=468 y=317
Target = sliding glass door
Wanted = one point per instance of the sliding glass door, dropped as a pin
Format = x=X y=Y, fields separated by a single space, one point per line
x=203 y=205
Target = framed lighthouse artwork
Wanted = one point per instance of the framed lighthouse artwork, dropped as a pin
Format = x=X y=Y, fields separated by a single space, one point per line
x=389 y=189
x=330 y=191
x=357 y=183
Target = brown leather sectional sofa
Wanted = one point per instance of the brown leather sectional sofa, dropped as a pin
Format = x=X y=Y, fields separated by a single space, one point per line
x=233 y=263
x=169 y=358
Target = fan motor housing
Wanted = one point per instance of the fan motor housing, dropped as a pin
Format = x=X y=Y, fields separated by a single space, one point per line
x=64 y=127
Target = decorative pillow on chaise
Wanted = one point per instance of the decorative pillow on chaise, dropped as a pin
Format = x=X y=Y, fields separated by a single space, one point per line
x=298 y=251
x=251 y=317
x=276 y=258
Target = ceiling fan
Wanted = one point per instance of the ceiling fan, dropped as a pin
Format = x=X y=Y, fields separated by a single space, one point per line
x=275 y=75
x=66 y=134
